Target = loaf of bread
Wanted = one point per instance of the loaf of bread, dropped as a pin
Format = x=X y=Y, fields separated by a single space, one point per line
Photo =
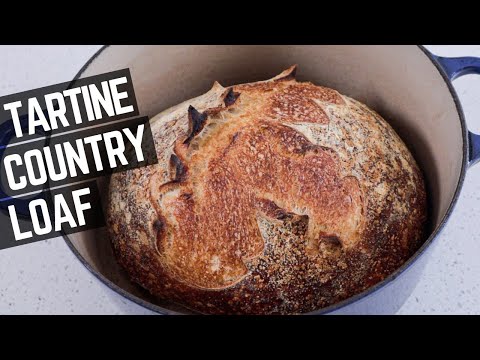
x=275 y=197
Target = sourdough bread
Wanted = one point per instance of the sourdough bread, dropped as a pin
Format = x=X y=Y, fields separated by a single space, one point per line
x=273 y=197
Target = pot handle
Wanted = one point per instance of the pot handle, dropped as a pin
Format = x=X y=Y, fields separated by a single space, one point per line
x=455 y=68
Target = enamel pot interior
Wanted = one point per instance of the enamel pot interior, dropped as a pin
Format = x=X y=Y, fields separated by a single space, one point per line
x=399 y=82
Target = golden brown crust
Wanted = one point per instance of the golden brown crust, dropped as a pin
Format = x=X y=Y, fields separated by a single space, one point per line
x=271 y=197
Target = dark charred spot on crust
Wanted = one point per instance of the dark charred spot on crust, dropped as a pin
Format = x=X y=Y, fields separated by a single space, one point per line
x=232 y=142
x=196 y=122
x=186 y=196
x=234 y=137
x=332 y=240
x=281 y=214
x=178 y=168
x=231 y=97
x=159 y=227
x=331 y=244
x=272 y=210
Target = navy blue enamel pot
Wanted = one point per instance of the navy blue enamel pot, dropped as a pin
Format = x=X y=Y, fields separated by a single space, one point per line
x=407 y=85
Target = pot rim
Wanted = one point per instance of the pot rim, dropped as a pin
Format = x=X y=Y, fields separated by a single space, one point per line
x=358 y=297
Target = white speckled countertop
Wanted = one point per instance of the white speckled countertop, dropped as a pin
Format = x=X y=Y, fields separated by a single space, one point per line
x=46 y=278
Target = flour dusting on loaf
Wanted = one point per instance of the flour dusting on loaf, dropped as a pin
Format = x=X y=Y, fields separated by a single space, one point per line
x=273 y=197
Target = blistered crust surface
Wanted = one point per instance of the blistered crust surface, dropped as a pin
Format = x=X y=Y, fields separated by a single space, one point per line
x=270 y=197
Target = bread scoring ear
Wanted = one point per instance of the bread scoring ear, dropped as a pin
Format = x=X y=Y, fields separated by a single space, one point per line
x=196 y=122
x=289 y=74
x=178 y=170
x=230 y=97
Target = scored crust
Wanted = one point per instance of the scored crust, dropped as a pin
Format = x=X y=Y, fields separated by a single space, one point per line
x=269 y=198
